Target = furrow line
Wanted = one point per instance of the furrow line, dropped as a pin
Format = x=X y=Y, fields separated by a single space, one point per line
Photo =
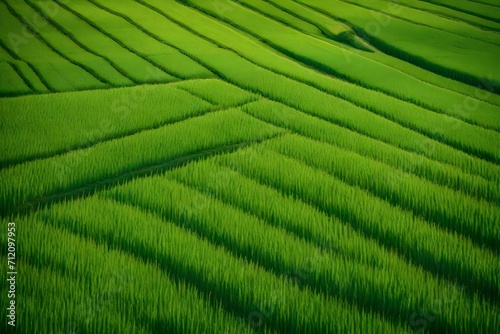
x=417 y=103
x=412 y=21
x=321 y=69
x=53 y=48
x=91 y=188
x=76 y=41
x=8 y=164
x=418 y=61
x=462 y=10
x=384 y=222
x=31 y=66
x=323 y=283
x=116 y=40
x=22 y=76
x=407 y=124
x=225 y=77
x=463 y=187
x=468 y=22
x=147 y=32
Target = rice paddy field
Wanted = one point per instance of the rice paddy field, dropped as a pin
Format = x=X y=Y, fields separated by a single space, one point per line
x=250 y=166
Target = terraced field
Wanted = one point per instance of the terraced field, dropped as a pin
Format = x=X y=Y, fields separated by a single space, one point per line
x=250 y=166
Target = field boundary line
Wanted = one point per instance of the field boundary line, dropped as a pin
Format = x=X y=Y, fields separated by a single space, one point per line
x=415 y=22
x=466 y=231
x=212 y=109
x=335 y=75
x=394 y=68
x=21 y=75
x=31 y=66
x=147 y=32
x=461 y=10
x=116 y=40
x=92 y=187
x=369 y=232
x=176 y=277
x=419 y=61
x=474 y=25
x=35 y=33
x=490 y=199
x=331 y=73
x=224 y=77
x=72 y=37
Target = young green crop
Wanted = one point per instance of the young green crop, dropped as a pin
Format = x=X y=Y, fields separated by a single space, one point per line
x=232 y=282
x=453 y=211
x=95 y=288
x=80 y=119
x=69 y=46
x=142 y=151
x=430 y=159
x=39 y=53
x=474 y=21
x=336 y=61
x=436 y=126
x=421 y=242
x=11 y=82
x=125 y=62
x=464 y=59
x=159 y=55
x=476 y=8
x=327 y=23
x=431 y=20
x=217 y=92
x=253 y=239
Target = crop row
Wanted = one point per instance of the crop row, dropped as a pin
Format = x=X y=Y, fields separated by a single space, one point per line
x=394 y=39
x=311 y=15
x=308 y=99
x=28 y=70
x=435 y=21
x=475 y=8
x=22 y=13
x=185 y=66
x=346 y=250
x=69 y=44
x=452 y=211
x=232 y=282
x=129 y=64
x=349 y=37
x=134 y=41
x=318 y=129
x=37 y=49
x=453 y=14
x=421 y=242
x=80 y=119
x=38 y=179
x=469 y=139
x=97 y=289
x=12 y=81
x=343 y=63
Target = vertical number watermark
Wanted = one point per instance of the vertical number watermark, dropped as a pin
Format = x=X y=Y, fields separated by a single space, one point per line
x=11 y=273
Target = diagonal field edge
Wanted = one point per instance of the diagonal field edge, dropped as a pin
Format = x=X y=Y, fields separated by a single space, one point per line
x=92 y=187
x=122 y=135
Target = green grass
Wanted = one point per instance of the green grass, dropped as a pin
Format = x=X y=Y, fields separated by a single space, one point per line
x=250 y=166
x=474 y=21
x=469 y=61
x=88 y=118
x=36 y=179
x=12 y=83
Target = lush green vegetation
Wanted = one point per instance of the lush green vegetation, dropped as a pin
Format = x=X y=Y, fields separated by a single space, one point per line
x=251 y=166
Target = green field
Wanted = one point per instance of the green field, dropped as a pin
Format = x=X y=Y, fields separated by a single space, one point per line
x=250 y=166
